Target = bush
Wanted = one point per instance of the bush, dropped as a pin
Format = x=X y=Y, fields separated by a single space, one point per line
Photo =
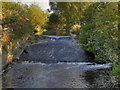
x=101 y=35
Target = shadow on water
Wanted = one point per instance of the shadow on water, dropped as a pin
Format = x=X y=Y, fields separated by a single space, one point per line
x=99 y=78
x=90 y=76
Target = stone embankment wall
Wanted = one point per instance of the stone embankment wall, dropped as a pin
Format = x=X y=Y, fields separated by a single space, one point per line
x=9 y=53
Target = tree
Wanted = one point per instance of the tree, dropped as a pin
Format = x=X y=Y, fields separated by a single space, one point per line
x=15 y=22
x=19 y=22
x=70 y=13
x=37 y=17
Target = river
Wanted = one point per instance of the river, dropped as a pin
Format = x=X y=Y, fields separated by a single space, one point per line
x=57 y=62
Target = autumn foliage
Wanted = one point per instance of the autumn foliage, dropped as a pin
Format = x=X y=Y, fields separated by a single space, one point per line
x=19 y=22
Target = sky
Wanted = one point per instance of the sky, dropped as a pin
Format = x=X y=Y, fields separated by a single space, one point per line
x=44 y=4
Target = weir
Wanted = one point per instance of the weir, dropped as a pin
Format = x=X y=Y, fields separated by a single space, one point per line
x=57 y=62
x=53 y=49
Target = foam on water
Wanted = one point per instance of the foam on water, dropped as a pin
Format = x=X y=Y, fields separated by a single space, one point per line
x=88 y=65
x=78 y=63
x=85 y=65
